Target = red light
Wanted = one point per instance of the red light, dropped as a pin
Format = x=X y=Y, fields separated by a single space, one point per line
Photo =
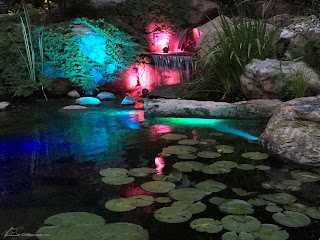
x=159 y=161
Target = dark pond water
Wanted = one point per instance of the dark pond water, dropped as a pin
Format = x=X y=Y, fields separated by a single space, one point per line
x=50 y=163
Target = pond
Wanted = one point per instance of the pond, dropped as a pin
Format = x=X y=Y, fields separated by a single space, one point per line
x=50 y=163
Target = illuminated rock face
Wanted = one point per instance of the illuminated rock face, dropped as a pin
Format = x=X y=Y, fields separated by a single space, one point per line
x=105 y=96
x=88 y=101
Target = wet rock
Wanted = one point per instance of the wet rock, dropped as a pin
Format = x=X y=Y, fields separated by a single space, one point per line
x=88 y=101
x=74 y=94
x=128 y=101
x=254 y=109
x=73 y=108
x=281 y=20
x=167 y=91
x=293 y=133
x=105 y=96
x=260 y=76
x=202 y=9
x=4 y=105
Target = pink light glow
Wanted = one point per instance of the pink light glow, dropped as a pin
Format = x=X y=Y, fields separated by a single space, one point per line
x=159 y=36
x=159 y=161
x=171 y=76
x=196 y=34
x=139 y=76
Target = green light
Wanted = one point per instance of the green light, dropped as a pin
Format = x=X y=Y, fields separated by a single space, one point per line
x=199 y=122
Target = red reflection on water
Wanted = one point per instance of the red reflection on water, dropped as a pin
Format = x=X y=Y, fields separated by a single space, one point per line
x=159 y=161
x=158 y=129
x=171 y=76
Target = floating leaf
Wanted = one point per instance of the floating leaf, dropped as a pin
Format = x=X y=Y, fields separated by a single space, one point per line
x=114 y=172
x=208 y=225
x=255 y=155
x=305 y=176
x=263 y=167
x=257 y=202
x=182 y=204
x=235 y=236
x=225 y=164
x=172 y=215
x=141 y=172
x=208 y=141
x=185 y=194
x=187 y=156
x=188 y=166
x=216 y=134
x=208 y=154
x=119 y=205
x=216 y=200
x=239 y=224
x=236 y=206
x=281 y=198
x=210 y=186
x=75 y=219
x=163 y=200
x=179 y=149
x=292 y=219
x=120 y=231
x=173 y=136
x=197 y=207
x=141 y=200
x=213 y=169
x=245 y=167
x=188 y=142
x=273 y=208
x=271 y=232
x=117 y=181
x=158 y=186
x=175 y=176
x=296 y=207
x=294 y=183
x=313 y=212
x=159 y=177
x=224 y=149
x=242 y=193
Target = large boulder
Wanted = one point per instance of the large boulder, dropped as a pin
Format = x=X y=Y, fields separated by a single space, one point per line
x=293 y=133
x=88 y=101
x=259 y=80
x=201 y=10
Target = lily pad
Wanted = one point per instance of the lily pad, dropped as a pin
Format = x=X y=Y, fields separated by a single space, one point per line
x=255 y=155
x=141 y=172
x=296 y=207
x=208 y=154
x=313 y=212
x=185 y=194
x=188 y=166
x=208 y=225
x=119 y=205
x=292 y=219
x=210 y=186
x=172 y=215
x=245 y=167
x=271 y=232
x=114 y=172
x=216 y=200
x=213 y=169
x=257 y=202
x=187 y=156
x=159 y=177
x=163 y=200
x=188 y=142
x=173 y=136
x=225 y=164
x=117 y=181
x=182 y=204
x=304 y=176
x=281 y=198
x=197 y=207
x=242 y=193
x=224 y=149
x=239 y=224
x=120 y=231
x=216 y=134
x=294 y=183
x=263 y=167
x=141 y=200
x=75 y=219
x=175 y=176
x=158 y=186
x=273 y=208
x=235 y=236
x=236 y=206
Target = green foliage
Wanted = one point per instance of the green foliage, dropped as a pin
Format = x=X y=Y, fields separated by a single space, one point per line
x=239 y=42
x=293 y=85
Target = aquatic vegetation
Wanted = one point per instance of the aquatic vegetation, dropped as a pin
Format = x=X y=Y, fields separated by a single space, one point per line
x=224 y=149
x=304 y=176
x=291 y=219
x=116 y=176
x=208 y=154
x=211 y=186
x=184 y=194
x=188 y=166
x=172 y=215
x=243 y=193
x=255 y=155
x=281 y=198
x=173 y=136
x=188 y=142
x=245 y=167
x=158 y=186
x=208 y=225
x=130 y=203
x=238 y=223
x=141 y=172
x=271 y=232
x=236 y=206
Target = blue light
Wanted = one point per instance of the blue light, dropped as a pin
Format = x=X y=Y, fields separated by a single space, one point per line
x=94 y=47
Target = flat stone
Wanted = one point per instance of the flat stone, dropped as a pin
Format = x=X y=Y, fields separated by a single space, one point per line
x=74 y=108
x=105 y=96
x=88 y=101
x=73 y=94
x=4 y=105
x=128 y=101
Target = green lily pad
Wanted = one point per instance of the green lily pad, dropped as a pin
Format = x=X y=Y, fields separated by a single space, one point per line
x=187 y=156
x=304 y=176
x=224 y=149
x=235 y=236
x=206 y=141
x=120 y=231
x=269 y=185
x=182 y=204
x=292 y=219
x=281 y=198
x=239 y=224
x=141 y=200
x=263 y=167
x=114 y=172
x=197 y=207
x=216 y=200
x=257 y=202
x=172 y=215
x=158 y=186
x=255 y=155
x=216 y=134
x=117 y=181
x=271 y=232
x=294 y=183
x=173 y=136
x=313 y=212
x=119 y=205
x=188 y=166
x=296 y=207
x=163 y=200
x=242 y=193
x=273 y=209
x=175 y=176
x=75 y=219
x=245 y=167
x=188 y=142
x=185 y=194
x=208 y=225
x=208 y=154
x=159 y=177
x=210 y=186
x=225 y=164
x=214 y=169
x=236 y=206
x=141 y=172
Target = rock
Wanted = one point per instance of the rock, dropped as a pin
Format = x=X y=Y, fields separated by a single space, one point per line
x=4 y=105
x=73 y=108
x=263 y=8
x=128 y=101
x=74 y=94
x=61 y=86
x=88 y=101
x=166 y=91
x=293 y=133
x=202 y=11
x=260 y=76
x=105 y=96
x=255 y=109
x=281 y=20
